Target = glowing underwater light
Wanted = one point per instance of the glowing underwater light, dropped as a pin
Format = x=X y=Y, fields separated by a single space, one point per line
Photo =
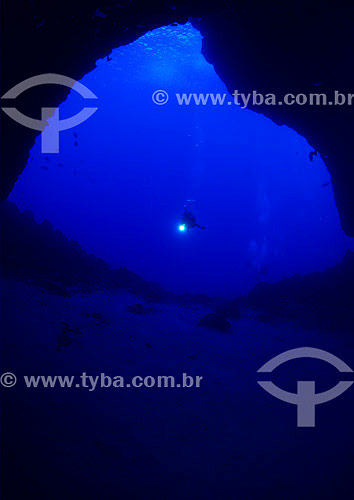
x=182 y=227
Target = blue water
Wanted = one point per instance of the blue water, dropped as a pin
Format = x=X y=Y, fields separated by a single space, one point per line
x=119 y=185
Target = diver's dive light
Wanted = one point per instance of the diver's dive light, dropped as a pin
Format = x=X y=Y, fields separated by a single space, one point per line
x=182 y=227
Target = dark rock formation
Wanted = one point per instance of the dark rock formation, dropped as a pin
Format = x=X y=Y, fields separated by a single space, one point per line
x=229 y=309
x=44 y=256
x=136 y=309
x=39 y=253
x=216 y=322
x=67 y=336
x=321 y=300
x=271 y=47
x=300 y=47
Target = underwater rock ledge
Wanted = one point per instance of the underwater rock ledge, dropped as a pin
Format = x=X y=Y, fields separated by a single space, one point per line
x=45 y=257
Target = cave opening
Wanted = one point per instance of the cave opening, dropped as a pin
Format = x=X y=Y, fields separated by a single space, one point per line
x=120 y=180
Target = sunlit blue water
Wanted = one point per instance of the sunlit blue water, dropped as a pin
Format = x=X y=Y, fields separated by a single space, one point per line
x=119 y=186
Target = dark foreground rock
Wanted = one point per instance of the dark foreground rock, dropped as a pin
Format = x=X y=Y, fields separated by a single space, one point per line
x=216 y=322
x=136 y=309
x=320 y=300
x=43 y=256
x=229 y=309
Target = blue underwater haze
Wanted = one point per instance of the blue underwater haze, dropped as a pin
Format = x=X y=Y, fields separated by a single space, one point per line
x=120 y=181
x=118 y=186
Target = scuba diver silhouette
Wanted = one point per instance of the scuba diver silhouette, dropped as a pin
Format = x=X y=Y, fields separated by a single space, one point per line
x=188 y=219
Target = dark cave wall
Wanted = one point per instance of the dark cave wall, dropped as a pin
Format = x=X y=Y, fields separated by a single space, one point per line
x=269 y=47
x=67 y=38
x=294 y=49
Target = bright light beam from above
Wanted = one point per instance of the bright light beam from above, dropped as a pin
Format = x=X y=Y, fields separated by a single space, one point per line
x=182 y=227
